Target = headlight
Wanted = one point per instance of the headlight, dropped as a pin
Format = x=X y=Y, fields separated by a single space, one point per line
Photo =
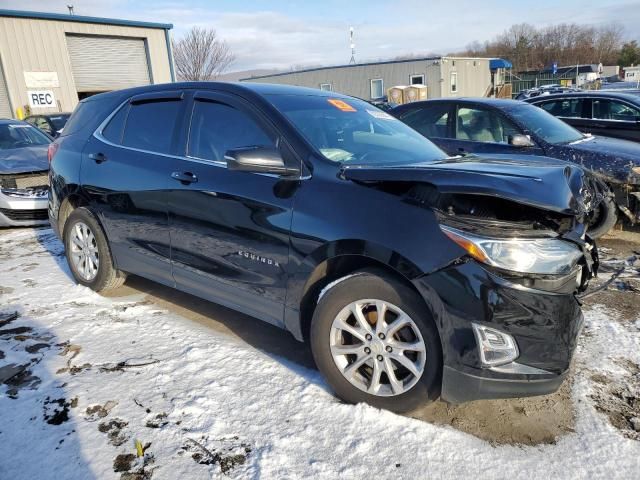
x=545 y=256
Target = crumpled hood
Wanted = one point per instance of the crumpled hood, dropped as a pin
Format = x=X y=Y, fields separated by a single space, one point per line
x=24 y=160
x=543 y=183
x=610 y=156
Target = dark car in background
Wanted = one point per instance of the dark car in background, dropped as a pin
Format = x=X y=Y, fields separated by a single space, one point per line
x=51 y=123
x=486 y=126
x=411 y=274
x=605 y=113
x=23 y=174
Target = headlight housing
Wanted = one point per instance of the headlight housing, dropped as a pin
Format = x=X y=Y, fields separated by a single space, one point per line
x=543 y=256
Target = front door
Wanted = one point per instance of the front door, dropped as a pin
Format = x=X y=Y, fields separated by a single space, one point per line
x=229 y=229
x=482 y=131
x=125 y=172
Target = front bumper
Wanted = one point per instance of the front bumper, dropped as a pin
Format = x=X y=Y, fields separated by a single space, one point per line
x=544 y=324
x=460 y=387
x=19 y=211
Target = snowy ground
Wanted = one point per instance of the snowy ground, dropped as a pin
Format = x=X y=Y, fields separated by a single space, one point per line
x=83 y=377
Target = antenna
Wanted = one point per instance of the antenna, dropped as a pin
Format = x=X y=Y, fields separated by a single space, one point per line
x=353 y=47
x=70 y=7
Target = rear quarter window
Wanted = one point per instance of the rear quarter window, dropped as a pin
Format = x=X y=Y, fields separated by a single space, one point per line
x=78 y=119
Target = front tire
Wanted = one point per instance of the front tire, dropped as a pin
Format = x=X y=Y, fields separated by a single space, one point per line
x=88 y=253
x=603 y=218
x=374 y=341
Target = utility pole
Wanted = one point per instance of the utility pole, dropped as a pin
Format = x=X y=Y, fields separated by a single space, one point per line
x=353 y=47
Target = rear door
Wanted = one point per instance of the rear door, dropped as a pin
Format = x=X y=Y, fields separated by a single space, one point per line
x=615 y=118
x=433 y=121
x=229 y=229
x=572 y=110
x=125 y=173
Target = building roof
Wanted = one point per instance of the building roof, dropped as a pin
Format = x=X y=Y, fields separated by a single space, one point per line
x=82 y=19
x=496 y=63
x=386 y=62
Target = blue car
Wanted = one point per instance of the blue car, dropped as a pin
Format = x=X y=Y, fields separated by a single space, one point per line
x=491 y=126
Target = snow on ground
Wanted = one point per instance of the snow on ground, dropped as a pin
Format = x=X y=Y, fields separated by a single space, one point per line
x=85 y=377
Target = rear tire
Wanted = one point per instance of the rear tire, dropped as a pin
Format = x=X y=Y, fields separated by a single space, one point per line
x=88 y=253
x=363 y=376
x=603 y=218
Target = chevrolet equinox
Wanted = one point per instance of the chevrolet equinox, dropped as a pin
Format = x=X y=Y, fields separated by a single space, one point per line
x=411 y=274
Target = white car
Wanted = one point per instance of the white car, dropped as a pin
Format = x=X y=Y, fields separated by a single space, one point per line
x=24 y=177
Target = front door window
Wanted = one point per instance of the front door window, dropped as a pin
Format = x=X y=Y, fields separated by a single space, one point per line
x=480 y=125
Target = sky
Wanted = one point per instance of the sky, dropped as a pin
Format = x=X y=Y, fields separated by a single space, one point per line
x=281 y=34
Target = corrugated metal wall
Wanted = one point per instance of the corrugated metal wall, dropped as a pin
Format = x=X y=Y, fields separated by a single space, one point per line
x=37 y=45
x=5 y=105
x=474 y=77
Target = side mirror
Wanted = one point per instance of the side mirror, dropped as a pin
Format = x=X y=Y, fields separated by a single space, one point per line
x=259 y=160
x=521 y=141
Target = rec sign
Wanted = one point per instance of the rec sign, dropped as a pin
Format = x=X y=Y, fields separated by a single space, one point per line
x=41 y=99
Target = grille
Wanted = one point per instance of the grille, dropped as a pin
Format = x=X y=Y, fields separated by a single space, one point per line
x=25 y=215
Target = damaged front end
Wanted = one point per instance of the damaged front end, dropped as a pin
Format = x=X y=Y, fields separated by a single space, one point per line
x=23 y=198
x=506 y=307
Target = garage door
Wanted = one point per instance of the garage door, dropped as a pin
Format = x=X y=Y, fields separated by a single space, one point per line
x=107 y=63
x=5 y=106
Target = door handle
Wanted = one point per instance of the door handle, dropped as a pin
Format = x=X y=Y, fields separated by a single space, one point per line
x=98 y=157
x=184 y=177
x=460 y=149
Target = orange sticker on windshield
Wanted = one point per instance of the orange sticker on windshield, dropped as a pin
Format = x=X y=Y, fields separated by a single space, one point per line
x=340 y=105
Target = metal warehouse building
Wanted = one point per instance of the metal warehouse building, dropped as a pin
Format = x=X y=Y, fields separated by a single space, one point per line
x=48 y=62
x=443 y=76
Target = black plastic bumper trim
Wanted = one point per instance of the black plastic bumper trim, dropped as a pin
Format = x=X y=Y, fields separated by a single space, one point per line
x=460 y=387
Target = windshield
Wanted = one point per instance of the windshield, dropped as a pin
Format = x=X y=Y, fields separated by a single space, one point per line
x=354 y=131
x=59 y=121
x=544 y=125
x=17 y=135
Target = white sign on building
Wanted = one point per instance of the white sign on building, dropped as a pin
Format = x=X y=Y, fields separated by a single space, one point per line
x=41 y=79
x=41 y=99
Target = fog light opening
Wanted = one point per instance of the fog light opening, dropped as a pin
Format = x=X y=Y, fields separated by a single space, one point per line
x=495 y=347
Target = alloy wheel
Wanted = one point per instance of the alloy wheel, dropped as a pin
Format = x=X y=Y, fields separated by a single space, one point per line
x=84 y=251
x=377 y=347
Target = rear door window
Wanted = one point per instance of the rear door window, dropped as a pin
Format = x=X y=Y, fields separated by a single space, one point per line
x=150 y=125
x=567 y=108
x=217 y=127
x=483 y=125
x=431 y=121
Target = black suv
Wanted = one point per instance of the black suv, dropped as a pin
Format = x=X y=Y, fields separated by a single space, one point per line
x=606 y=113
x=410 y=274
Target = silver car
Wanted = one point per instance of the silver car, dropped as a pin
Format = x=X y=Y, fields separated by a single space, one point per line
x=24 y=181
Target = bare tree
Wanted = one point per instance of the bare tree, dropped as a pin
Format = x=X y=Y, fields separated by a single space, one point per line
x=201 y=55
x=568 y=44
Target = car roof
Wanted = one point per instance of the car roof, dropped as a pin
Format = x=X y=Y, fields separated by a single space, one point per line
x=11 y=121
x=492 y=102
x=630 y=97
x=55 y=114
x=259 y=89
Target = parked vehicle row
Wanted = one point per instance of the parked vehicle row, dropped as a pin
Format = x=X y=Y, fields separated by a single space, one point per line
x=494 y=126
x=413 y=274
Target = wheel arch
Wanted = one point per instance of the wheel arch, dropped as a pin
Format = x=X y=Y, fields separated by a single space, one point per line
x=332 y=262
